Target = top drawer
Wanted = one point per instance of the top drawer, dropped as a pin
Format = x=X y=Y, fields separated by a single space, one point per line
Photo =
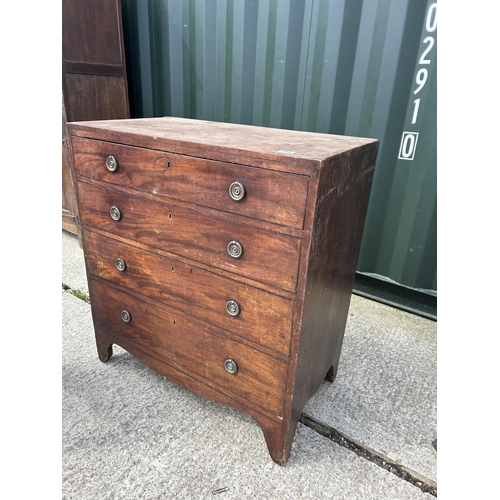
x=272 y=196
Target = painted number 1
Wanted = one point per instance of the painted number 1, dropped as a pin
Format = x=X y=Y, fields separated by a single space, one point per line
x=416 y=103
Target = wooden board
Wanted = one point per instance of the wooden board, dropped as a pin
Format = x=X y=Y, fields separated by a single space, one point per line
x=94 y=77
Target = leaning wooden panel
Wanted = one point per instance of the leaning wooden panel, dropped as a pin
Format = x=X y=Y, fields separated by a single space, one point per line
x=94 y=76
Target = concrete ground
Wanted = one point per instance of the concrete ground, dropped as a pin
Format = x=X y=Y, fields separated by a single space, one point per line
x=129 y=433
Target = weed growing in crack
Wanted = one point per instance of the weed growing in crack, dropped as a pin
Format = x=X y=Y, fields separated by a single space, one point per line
x=79 y=294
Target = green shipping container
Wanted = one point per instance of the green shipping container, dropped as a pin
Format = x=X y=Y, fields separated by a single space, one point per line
x=363 y=68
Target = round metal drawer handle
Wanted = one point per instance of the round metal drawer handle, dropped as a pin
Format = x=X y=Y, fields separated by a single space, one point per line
x=120 y=264
x=111 y=164
x=232 y=308
x=237 y=191
x=230 y=366
x=125 y=316
x=115 y=213
x=234 y=249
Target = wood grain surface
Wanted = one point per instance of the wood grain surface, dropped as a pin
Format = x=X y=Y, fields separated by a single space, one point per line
x=289 y=148
x=198 y=350
x=293 y=285
x=268 y=257
x=340 y=210
x=272 y=196
x=264 y=318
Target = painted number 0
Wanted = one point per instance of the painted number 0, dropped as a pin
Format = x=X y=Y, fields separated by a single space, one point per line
x=408 y=145
x=431 y=21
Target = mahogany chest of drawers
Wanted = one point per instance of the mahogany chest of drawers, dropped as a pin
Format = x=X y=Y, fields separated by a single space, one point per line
x=223 y=256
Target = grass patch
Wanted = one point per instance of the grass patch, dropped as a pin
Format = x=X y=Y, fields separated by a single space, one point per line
x=79 y=294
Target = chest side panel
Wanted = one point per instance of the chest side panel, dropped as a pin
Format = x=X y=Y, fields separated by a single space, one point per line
x=340 y=211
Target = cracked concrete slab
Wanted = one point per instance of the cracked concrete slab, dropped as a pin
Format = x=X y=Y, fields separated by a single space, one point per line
x=385 y=393
x=129 y=433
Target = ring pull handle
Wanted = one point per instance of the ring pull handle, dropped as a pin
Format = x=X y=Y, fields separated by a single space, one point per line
x=120 y=264
x=230 y=366
x=234 y=249
x=115 y=213
x=111 y=164
x=233 y=308
x=125 y=315
x=237 y=191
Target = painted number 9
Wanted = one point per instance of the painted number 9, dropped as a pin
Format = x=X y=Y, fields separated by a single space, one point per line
x=421 y=78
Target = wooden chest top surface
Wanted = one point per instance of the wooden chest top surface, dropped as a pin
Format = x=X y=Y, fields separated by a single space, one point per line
x=297 y=147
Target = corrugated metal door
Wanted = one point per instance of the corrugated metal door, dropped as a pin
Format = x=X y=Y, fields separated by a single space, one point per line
x=364 y=68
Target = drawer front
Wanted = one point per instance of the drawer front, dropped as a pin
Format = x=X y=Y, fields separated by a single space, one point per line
x=269 y=195
x=267 y=257
x=263 y=317
x=194 y=349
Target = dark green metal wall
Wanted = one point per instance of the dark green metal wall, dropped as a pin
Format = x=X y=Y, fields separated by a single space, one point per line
x=354 y=67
